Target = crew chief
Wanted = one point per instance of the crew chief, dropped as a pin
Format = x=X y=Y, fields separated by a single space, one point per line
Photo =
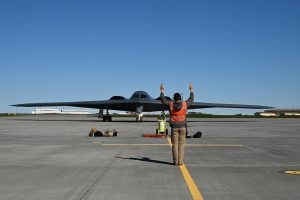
x=178 y=122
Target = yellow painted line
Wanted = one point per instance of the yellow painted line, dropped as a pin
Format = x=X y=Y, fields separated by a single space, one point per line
x=169 y=141
x=196 y=194
x=127 y=145
x=96 y=142
x=190 y=182
x=293 y=172
x=214 y=145
x=187 y=145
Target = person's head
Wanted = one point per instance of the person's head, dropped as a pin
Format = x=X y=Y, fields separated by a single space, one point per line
x=177 y=97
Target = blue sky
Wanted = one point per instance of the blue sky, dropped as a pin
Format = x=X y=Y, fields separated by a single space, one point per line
x=233 y=51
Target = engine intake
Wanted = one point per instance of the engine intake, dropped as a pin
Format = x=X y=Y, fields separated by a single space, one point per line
x=117 y=98
x=168 y=98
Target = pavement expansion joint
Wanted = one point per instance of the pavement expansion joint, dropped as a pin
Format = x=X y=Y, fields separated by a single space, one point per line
x=97 y=180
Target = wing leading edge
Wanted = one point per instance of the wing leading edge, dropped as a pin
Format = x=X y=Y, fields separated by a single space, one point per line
x=199 y=105
x=139 y=102
x=107 y=104
x=130 y=105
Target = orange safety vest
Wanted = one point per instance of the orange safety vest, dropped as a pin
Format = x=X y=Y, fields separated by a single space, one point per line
x=178 y=116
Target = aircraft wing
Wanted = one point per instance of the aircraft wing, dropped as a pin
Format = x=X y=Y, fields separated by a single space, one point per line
x=106 y=104
x=156 y=105
x=139 y=102
x=123 y=105
x=129 y=105
x=196 y=105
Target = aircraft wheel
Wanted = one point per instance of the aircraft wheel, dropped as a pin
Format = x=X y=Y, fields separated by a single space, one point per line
x=107 y=118
x=156 y=131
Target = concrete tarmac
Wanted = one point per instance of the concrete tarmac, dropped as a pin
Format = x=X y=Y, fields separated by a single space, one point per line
x=51 y=157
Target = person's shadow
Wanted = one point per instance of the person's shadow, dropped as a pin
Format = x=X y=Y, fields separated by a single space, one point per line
x=146 y=159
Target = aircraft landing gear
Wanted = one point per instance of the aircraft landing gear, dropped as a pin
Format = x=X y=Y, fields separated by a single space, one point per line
x=139 y=114
x=139 y=118
x=105 y=118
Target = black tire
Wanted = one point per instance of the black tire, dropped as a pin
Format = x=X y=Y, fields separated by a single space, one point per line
x=156 y=131
x=109 y=118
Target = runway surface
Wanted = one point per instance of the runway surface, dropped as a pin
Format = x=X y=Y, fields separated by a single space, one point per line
x=51 y=157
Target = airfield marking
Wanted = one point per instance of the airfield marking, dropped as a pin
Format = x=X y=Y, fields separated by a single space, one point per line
x=128 y=145
x=96 y=142
x=214 y=145
x=187 y=145
x=292 y=172
x=196 y=194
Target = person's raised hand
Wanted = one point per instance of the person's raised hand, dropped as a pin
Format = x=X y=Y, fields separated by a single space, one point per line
x=162 y=88
x=191 y=87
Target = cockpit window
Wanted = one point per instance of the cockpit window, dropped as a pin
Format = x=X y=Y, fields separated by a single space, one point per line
x=140 y=95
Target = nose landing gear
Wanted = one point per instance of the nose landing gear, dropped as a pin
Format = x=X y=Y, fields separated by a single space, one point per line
x=139 y=118
x=139 y=113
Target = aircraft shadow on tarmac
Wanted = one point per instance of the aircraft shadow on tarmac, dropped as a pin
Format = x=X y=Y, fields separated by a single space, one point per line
x=146 y=159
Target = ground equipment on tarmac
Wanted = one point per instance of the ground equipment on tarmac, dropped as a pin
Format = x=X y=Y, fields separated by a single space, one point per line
x=198 y=135
x=107 y=133
x=162 y=124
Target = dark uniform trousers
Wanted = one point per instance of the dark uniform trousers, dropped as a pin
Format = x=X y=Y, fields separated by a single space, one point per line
x=178 y=142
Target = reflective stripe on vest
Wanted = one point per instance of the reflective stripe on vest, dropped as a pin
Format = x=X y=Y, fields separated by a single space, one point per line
x=178 y=116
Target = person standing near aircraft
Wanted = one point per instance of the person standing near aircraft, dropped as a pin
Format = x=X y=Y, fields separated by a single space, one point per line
x=178 y=123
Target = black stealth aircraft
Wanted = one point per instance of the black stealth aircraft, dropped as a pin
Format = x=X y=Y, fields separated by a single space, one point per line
x=139 y=102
